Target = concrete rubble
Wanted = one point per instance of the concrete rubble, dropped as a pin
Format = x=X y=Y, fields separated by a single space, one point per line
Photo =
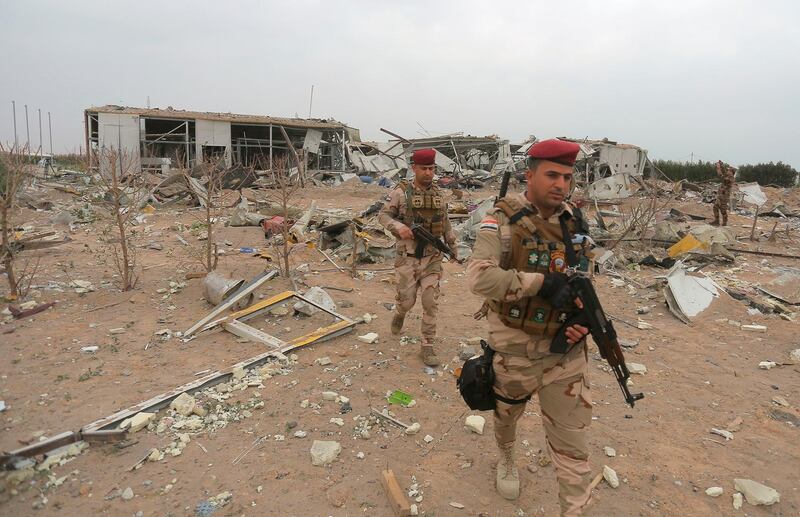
x=662 y=268
x=324 y=452
x=755 y=493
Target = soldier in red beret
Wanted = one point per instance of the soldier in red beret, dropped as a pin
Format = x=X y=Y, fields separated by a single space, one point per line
x=418 y=202
x=518 y=265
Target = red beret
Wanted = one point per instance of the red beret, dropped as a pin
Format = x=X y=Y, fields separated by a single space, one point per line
x=555 y=150
x=423 y=157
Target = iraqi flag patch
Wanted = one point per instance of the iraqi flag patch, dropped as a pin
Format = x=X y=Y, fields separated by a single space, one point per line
x=489 y=223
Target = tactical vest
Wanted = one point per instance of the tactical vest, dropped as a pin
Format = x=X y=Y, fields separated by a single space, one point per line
x=426 y=208
x=533 y=245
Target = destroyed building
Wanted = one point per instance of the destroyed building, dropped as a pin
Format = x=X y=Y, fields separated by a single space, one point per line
x=158 y=139
x=607 y=169
x=469 y=160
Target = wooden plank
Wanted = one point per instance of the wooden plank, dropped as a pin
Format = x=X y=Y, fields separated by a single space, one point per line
x=227 y=304
x=253 y=334
x=397 y=498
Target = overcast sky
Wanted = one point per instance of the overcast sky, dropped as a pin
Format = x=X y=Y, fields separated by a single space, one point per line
x=715 y=78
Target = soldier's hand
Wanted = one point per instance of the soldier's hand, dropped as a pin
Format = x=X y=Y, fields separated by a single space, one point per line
x=405 y=232
x=575 y=333
x=556 y=290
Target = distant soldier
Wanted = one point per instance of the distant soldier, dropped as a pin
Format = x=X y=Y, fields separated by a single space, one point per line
x=418 y=202
x=728 y=176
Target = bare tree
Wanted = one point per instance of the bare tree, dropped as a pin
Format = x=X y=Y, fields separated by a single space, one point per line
x=206 y=181
x=121 y=196
x=284 y=190
x=15 y=173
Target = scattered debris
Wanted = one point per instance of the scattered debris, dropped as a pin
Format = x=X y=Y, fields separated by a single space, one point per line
x=397 y=499
x=369 y=338
x=755 y=493
x=722 y=432
x=687 y=295
x=475 y=423
x=319 y=296
x=610 y=475
x=324 y=452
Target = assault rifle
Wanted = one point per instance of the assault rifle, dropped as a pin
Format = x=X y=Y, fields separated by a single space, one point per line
x=424 y=237
x=601 y=329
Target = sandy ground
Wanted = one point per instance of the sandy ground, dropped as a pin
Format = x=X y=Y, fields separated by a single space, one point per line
x=698 y=376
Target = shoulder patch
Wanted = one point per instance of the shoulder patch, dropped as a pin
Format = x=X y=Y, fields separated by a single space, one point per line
x=488 y=223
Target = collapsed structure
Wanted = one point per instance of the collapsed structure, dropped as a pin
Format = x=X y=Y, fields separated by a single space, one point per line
x=607 y=169
x=157 y=139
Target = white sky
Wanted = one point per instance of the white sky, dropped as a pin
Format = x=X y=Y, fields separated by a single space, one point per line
x=714 y=78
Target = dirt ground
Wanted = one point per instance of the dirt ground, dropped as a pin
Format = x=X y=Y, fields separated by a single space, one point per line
x=699 y=376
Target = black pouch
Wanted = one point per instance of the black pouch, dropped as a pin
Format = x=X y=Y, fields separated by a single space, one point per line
x=476 y=382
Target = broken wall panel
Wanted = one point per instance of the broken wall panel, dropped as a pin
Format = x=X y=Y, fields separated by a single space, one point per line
x=119 y=132
x=211 y=135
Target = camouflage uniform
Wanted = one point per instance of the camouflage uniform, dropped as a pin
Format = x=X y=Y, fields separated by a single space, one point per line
x=727 y=175
x=408 y=205
x=520 y=329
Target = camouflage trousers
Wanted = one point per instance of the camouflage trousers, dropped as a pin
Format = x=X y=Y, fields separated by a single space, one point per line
x=413 y=275
x=561 y=383
x=721 y=205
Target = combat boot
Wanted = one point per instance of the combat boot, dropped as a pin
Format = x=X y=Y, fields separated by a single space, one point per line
x=397 y=323
x=429 y=356
x=507 y=475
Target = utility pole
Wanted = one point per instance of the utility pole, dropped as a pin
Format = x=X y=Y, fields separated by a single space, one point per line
x=41 y=147
x=27 y=130
x=310 y=101
x=50 y=128
x=14 y=112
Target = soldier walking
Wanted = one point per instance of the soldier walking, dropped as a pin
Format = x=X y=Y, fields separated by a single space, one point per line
x=728 y=176
x=418 y=202
x=518 y=265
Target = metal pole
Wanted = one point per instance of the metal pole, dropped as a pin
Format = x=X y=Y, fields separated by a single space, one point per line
x=50 y=129
x=14 y=112
x=310 y=101
x=186 y=124
x=344 y=159
x=41 y=147
x=27 y=130
x=270 y=147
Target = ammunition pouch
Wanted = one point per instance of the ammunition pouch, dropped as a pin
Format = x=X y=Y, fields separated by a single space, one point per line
x=476 y=382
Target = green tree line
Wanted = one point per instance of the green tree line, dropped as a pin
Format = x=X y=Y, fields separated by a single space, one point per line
x=777 y=174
